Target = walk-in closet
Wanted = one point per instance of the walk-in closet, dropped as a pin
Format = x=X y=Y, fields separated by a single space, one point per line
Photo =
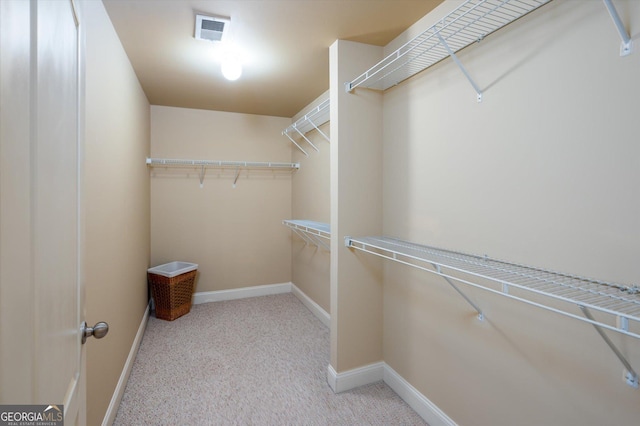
x=445 y=230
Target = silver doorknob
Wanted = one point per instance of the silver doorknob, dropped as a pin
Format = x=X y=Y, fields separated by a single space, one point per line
x=98 y=331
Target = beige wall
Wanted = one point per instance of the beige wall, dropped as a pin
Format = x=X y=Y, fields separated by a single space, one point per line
x=116 y=206
x=235 y=235
x=544 y=171
x=311 y=201
x=356 y=209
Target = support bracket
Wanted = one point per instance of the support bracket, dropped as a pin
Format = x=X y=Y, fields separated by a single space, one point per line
x=631 y=377
x=319 y=131
x=295 y=143
x=201 y=175
x=319 y=243
x=460 y=292
x=307 y=240
x=237 y=175
x=312 y=239
x=462 y=68
x=627 y=44
x=307 y=139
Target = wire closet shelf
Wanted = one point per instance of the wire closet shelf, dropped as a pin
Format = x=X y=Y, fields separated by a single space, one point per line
x=312 y=120
x=202 y=165
x=469 y=23
x=616 y=304
x=310 y=231
x=221 y=164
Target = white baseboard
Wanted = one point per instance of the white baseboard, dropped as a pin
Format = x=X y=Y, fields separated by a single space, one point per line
x=315 y=309
x=420 y=403
x=240 y=293
x=351 y=379
x=357 y=377
x=112 y=410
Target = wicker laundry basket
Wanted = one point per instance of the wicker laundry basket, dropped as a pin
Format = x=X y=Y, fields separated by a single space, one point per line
x=172 y=288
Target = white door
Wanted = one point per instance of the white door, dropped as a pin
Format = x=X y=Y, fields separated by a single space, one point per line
x=41 y=309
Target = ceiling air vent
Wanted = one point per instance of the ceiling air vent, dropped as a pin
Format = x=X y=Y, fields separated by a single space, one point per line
x=211 y=28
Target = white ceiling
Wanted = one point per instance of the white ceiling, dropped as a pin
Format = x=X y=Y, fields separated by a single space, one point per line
x=284 y=44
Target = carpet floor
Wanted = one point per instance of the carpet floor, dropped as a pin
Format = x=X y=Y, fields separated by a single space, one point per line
x=256 y=361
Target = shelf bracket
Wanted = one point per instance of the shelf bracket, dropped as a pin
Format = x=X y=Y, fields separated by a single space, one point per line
x=321 y=243
x=627 y=44
x=306 y=139
x=237 y=175
x=631 y=377
x=295 y=143
x=310 y=239
x=462 y=68
x=201 y=176
x=304 y=237
x=319 y=131
x=460 y=292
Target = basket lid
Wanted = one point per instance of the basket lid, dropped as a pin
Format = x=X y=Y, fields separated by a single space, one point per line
x=173 y=269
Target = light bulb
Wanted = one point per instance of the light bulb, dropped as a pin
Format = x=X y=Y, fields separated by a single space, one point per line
x=231 y=68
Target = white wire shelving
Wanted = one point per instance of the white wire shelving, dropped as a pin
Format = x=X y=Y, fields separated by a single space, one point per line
x=469 y=23
x=202 y=165
x=616 y=306
x=311 y=232
x=312 y=120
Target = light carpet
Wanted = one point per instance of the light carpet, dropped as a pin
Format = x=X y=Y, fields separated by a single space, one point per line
x=256 y=361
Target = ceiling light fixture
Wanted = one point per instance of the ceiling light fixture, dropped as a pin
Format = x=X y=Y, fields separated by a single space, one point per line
x=231 y=66
x=215 y=29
